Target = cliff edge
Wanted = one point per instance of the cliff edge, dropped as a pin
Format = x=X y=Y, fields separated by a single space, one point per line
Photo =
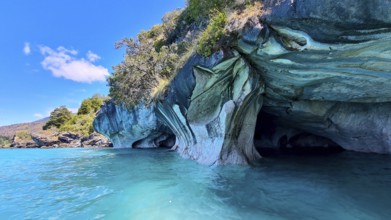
x=320 y=68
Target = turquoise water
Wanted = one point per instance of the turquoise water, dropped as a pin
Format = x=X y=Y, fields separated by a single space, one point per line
x=145 y=184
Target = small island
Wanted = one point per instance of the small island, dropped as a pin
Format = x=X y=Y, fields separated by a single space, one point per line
x=62 y=129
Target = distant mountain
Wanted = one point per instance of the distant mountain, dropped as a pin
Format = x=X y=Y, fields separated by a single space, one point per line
x=32 y=127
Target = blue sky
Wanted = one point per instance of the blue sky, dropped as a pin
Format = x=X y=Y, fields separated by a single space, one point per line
x=58 y=52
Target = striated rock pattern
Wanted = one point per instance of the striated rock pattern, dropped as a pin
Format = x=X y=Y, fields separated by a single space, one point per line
x=218 y=126
x=134 y=128
x=319 y=67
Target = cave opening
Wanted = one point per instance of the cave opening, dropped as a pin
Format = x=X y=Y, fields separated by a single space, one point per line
x=167 y=142
x=274 y=138
x=159 y=140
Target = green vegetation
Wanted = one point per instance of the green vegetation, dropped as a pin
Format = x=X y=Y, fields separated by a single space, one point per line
x=58 y=117
x=5 y=142
x=23 y=136
x=148 y=61
x=81 y=123
x=91 y=105
x=210 y=38
x=153 y=59
x=199 y=10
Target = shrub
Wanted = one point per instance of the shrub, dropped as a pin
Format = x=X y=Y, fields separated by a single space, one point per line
x=198 y=10
x=148 y=61
x=251 y=9
x=210 y=38
x=155 y=56
x=5 y=142
x=24 y=136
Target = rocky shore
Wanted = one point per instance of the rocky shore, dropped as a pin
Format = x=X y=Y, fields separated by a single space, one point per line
x=61 y=140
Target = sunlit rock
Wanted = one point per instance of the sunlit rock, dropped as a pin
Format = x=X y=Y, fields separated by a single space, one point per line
x=320 y=67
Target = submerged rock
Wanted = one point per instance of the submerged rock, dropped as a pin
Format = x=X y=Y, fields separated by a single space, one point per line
x=320 y=67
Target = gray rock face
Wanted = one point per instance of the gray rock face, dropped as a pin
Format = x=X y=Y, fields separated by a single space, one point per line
x=42 y=141
x=69 y=140
x=354 y=126
x=327 y=70
x=129 y=128
x=23 y=144
x=218 y=126
x=95 y=140
x=331 y=21
x=320 y=67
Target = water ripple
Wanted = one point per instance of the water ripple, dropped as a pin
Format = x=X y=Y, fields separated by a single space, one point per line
x=144 y=184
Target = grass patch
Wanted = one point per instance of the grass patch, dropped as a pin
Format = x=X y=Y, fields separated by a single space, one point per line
x=23 y=136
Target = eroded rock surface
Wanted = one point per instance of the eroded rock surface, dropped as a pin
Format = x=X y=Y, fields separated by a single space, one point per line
x=135 y=127
x=218 y=126
x=69 y=140
x=321 y=67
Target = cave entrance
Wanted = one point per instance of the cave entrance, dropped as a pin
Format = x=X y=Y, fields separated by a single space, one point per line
x=157 y=140
x=273 y=138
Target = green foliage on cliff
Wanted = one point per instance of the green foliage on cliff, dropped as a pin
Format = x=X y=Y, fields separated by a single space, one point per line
x=81 y=123
x=208 y=42
x=155 y=56
x=198 y=10
x=149 y=60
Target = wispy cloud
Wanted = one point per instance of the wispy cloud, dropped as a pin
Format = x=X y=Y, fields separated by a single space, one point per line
x=27 y=48
x=92 y=57
x=63 y=62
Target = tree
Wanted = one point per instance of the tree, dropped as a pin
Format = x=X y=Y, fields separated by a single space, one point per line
x=82 y=122
x=91 y=105
x=147 y=61
x=58 y=117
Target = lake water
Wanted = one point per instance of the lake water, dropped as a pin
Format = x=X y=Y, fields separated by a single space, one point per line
x=146 y=184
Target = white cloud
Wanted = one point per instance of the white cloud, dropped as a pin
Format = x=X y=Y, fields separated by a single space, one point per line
x=62 y=62
x=39 y=115
x=92 y=57
x=26 y=48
